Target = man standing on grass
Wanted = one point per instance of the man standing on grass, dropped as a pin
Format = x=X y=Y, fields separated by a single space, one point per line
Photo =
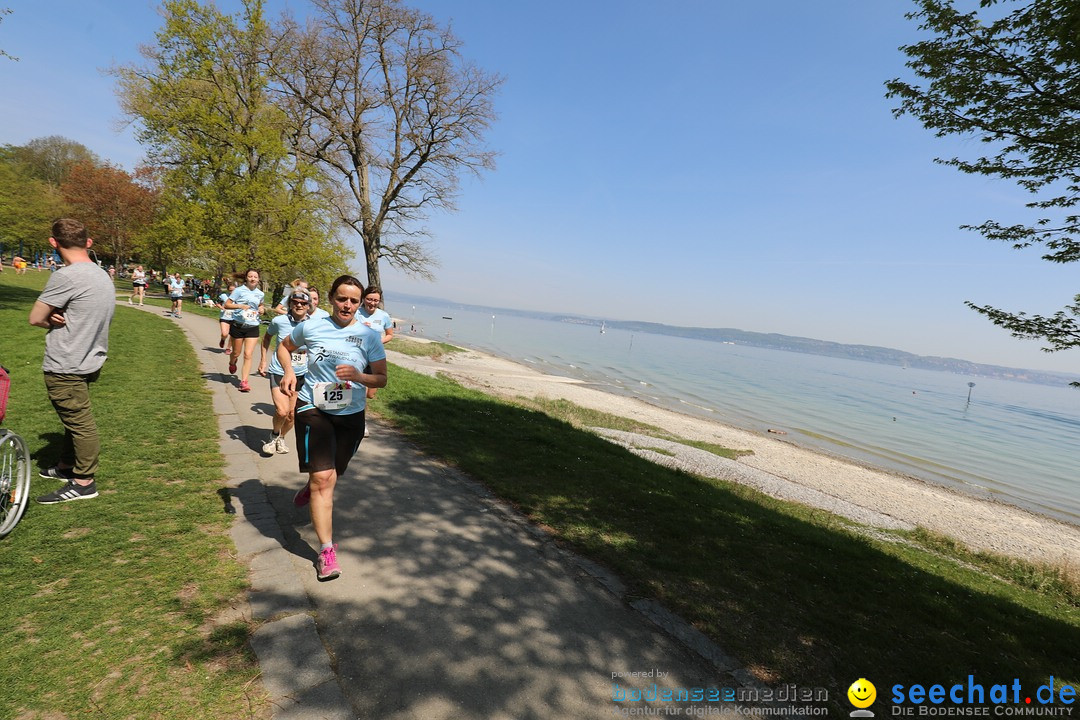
x=76 y=307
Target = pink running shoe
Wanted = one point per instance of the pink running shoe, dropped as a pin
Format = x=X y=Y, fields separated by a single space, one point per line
x=328 y=567
x=221 y=343
x=302 y=496
x=244 y=387
x=232 y=367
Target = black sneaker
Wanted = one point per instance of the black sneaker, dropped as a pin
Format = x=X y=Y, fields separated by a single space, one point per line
x=57 y=473
x=71 y=491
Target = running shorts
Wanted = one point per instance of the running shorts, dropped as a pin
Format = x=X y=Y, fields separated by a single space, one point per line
x=239 y=331
x=325 y=441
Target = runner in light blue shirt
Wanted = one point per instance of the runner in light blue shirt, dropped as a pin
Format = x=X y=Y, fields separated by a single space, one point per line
x=378 y=320
x=344 y=357
x=284 y=405
x=225 y=319
x=247 y=301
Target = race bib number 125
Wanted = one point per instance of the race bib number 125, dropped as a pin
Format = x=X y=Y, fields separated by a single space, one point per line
x=332 y=396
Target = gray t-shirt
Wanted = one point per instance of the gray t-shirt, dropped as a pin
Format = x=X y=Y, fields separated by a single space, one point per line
x=85 y=295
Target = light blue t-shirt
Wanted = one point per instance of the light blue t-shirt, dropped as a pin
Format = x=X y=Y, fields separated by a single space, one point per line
x=244 y=295
x=317 y=313
x=176 y=287
x=379 y=321
x=280 y=328
x=226 y=315
x=330 y=345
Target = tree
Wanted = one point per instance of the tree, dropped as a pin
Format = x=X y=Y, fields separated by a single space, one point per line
x=28 y=205
x=384 y=102
x=1009 y=76
x=3 y=53
x=233 y=195
x=115 y=206
x=50 y=158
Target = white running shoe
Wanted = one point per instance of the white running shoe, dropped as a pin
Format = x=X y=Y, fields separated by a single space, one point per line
x=271 y=446
x=280 y=446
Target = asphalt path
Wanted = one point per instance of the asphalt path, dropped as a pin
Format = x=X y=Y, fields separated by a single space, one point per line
x=449 y=605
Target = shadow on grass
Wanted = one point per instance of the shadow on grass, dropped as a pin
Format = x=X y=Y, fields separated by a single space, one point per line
x=791 y=592
x=17 y=298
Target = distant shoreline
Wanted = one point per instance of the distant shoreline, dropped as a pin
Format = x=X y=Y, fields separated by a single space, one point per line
x=788 y=343
x=979 y=523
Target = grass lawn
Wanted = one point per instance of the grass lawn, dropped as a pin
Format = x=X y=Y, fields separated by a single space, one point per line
x=796 y=593
x=120 y=607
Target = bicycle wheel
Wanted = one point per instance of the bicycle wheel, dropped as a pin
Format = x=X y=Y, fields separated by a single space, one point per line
x=14 y=480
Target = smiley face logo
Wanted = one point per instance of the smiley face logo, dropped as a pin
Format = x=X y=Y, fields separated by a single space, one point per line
x=862 y=693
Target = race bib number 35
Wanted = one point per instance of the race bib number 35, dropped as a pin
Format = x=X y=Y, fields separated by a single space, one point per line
x=332 y=396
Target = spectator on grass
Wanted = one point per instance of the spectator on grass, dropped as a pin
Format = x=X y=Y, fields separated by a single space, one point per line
x=76 y=307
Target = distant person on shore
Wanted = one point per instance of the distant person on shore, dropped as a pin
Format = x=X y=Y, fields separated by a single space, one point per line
x=247 y=302
x=343 y=357
x=76 y=307
x=281 y=327
x=138 y=285
x=176 y=293
x=19 y=264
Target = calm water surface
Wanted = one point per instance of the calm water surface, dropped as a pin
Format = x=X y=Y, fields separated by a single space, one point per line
x=1016 y=442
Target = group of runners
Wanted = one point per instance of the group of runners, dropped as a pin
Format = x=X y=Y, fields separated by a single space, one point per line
x=322 y=367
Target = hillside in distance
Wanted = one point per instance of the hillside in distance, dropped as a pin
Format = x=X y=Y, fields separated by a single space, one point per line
x=776 y=341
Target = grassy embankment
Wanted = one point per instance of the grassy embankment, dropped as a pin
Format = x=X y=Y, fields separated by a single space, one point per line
x=798 y=594
x=119 y=607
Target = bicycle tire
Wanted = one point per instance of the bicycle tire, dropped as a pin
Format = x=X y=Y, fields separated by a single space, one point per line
x=14 y=480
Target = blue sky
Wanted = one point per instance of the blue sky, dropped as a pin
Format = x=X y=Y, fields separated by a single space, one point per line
x=696 y=162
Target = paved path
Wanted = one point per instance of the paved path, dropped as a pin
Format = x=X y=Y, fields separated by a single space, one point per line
x=448 y=606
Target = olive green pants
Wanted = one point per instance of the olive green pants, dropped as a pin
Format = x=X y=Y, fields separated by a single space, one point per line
x=70 y=397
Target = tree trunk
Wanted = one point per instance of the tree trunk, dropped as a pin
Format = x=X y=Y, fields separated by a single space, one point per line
x=371 y=257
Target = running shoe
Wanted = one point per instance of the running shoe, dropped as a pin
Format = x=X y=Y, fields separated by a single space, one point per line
x=280 y=447
x=56 y=473
x=327 y=566
x=232 y=367
x=244 y=387
x=270 y=446
x=302 y=496
x=74 y=491
x=221 y=343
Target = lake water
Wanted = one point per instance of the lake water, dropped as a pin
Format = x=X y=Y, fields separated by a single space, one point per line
x=1016 y=442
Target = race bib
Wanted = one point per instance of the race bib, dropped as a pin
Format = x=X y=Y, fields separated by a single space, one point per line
x=332 y=396
x=299 y=357
x=250 y=316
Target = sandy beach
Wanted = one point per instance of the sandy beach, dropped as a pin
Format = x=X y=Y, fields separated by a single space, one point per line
x=871 y=496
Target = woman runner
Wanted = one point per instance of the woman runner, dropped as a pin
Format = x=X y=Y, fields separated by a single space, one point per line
x=176 y=294
x=247 y=300
x=344 y=358
x=226 y=317
x=138 y=285
x=284 y=406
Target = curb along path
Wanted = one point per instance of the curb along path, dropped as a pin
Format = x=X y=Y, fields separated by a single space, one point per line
x=449 y=604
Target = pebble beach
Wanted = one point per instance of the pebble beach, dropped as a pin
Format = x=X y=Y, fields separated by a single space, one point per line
x=872 y=497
